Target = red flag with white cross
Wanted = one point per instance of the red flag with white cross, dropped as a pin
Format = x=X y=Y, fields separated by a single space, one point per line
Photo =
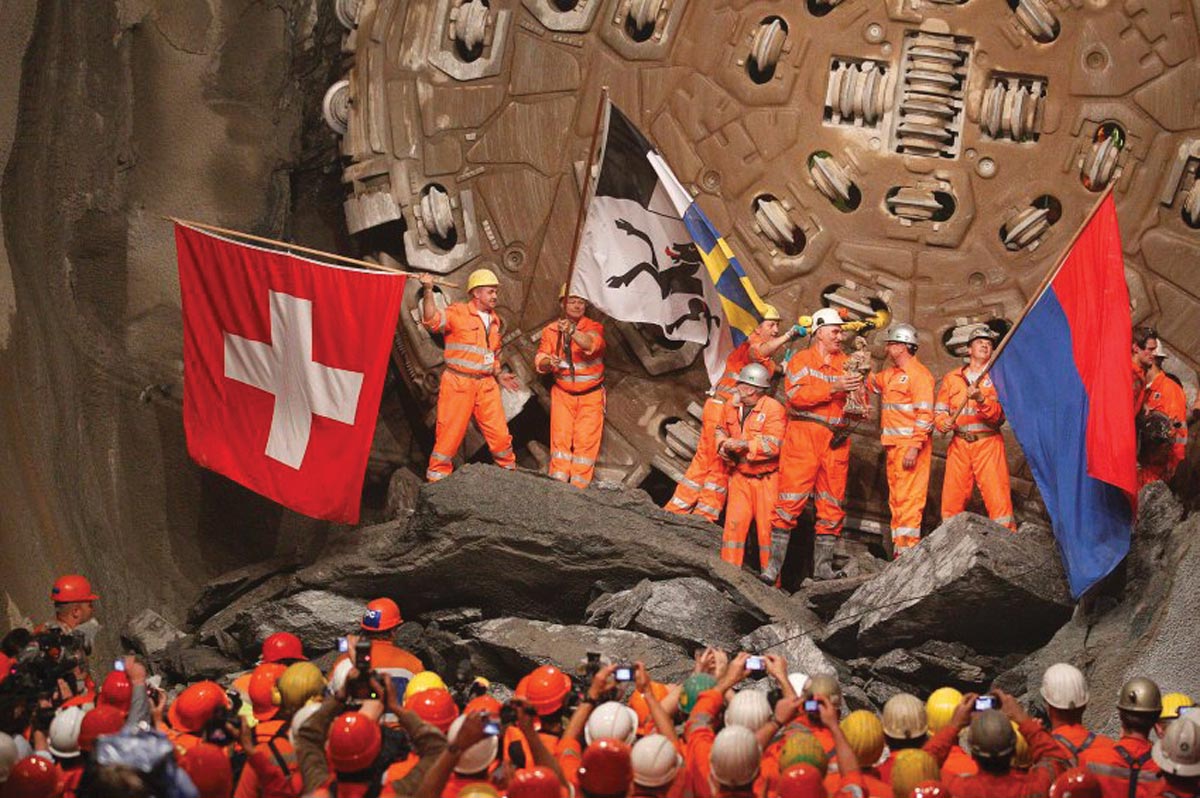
x=284 y=360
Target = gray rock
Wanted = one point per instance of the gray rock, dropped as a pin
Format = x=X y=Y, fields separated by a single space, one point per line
x=878 y=692
x=825 y=596
x=222 y=591
x=317 y=617
x=215 y=629
x=1140 y=621
x=970 y=581
x=688 y=611
x=792 y=641
x=149 y=634
x=898 y=664
x=617 y=610
x=453 y=618
x=403 y=488
x=186 y=661
x=954 y=665
x=508 y=648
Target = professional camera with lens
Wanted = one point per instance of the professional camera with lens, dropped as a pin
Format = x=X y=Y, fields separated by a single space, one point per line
x=216 y=731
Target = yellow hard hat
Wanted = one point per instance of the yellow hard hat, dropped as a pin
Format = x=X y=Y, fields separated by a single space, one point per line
x=1172 y=702
x=770 y=313
x=913 y=766
x=300 y=682
x=940 y=707
x=864 y=732
x=803 y=748
x=481 y=278
x=425 y=680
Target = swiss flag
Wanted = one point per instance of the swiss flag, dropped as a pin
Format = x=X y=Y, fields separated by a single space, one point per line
x=284 y=361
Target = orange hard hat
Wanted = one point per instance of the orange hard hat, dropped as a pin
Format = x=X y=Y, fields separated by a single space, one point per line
x=539 y=782
x=434 y=706
x=98 y=722
x=117 y=691
x=72 y=587
x=802 y=781
x=195 y=705
x=282 y=647
x=32 y=777
x=209 y=769
x=354 y=742
x=482 y=703
x=262 y=689
x=382 y=614
x=546 y=689
x=637 y=702
x=606 y=769
x=1076 y=783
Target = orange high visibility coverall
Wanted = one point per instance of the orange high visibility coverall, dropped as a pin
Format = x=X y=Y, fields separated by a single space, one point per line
x=1049 y=760
x=1124 y=770
x=698 y=737
x=809 y=468
x=1076 y=739
x=906 y=420
x=976 y=454
x=468 y=388
x=754 y=481
x=702 y=490
x=1163 y=395
x=1139 y=388
x=576 y=403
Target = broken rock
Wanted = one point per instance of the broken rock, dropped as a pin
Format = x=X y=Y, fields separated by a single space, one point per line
x=792 y=641
x=688 y=611
x=149 y=634
x=317 y=617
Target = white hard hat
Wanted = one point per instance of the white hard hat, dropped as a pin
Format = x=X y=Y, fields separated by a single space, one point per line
x=476 y=758
x=825 y=317
x=337 y=678
x=798 y=681
x=735 y=756
x=8 y=755
x=64 y=732
x=300 y=718
x=904 y=717
x=655 y=760
x=1178 y=752
x=1063 y=687
x=901 y=333
x=611 y=719
x=1161 y=351
x=748 y=708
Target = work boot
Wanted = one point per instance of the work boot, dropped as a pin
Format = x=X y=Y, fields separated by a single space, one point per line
x=779 y=544
x=823 y=557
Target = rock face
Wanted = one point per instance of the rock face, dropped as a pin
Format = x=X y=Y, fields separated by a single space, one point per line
x=1140 y=622
x=971 y=581
x=317 y=617
x=688 y=611
x=791 y=641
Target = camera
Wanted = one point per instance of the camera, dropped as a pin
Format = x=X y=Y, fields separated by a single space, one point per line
x=119 y=665
x=362 y=655
x=756 y=664
x=491 y=727
x=985 y=702
x=343 y=645
x=1185 y=710
x=624 y=673
x=812 y=705
x=216 y=730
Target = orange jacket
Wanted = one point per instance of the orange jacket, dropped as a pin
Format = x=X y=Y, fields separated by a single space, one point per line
x=698 y=736
x=588 y=364
x=907 y=400
x=762 y=428
x=808 y=385
x=1161 y=789
x=868 y=779
x=1049 y=760
x=1076 y=739
x=1127 y=761
x=976 y=418
x=1164 y=396
x=749 y=352
x=470 y=348
x=1139 y=387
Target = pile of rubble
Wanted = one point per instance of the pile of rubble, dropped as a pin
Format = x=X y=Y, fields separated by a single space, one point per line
x=511 y=570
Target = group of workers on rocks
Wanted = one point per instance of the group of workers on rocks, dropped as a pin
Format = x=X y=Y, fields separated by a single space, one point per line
x=375 y=722
x=760 y=459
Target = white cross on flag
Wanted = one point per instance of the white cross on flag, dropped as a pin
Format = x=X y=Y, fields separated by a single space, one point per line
x=284 y=361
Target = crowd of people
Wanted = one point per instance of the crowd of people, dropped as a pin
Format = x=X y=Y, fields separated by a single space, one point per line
x=768 y=447
x=377 y=723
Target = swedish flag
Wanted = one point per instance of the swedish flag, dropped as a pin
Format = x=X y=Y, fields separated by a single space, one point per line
x=742 y=306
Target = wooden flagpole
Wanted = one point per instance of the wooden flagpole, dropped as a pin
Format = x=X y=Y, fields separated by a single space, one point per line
x=297 y=248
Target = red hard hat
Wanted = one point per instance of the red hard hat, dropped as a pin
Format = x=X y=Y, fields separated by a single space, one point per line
x=32 y=777
x=930 y=789
x=539 y=782
x=262 y=689
x=1076 y=783
x=482 y=703
x=354 y=742
x=546 y=689
x=72 y=587
x=209 y=769
x=382 y=614
x=282 y=646
x=434 y=706
x=195 y=705
x=117 y=691
x=98 y=722
x=801 y=781
x=606 y=769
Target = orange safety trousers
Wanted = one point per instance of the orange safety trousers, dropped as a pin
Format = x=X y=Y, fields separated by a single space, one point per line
x=907 y=491
x=576 y=426
x=704 y=486
x=459 y=399
x=981 y=462
x=751 y=500
x=810 y=468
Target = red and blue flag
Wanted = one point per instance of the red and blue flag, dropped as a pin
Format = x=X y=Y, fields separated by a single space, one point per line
x=1066 y=383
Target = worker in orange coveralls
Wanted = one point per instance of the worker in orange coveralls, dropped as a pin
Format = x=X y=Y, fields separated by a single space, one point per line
x=1164 y=395
x=471 y=382
x=702 y=489
x=816 y=451
x=572 y=349
x=906 y=389
x=976 y=454
x=1145 y=342
x=749 y=438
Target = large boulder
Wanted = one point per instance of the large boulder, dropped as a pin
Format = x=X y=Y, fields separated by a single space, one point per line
x=971 y=581
x=1140 y=622
x=149 y=634
x=792 y=641
x=528 y=545
x=508 y=648
x=317 y=617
